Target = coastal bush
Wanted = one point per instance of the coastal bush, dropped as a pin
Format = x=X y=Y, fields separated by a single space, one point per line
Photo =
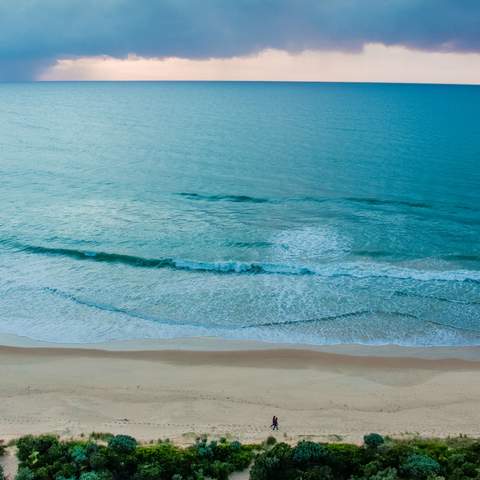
x=79 y=455
x=122 y=444
x=220 y=459
x=149 y=472
x=164 y=460
x=270 y=441
x=310 y=452
x=420 y=467
x=275 y=463
x=2 y=452
x=387 y=474
x=348 y=459
x=412 y=459
x=308 y=460
x=24 y=474
x=45 y=457
x=373 y=440
x=89 y=476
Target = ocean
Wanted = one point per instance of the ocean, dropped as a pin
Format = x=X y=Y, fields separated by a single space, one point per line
x=283 y=212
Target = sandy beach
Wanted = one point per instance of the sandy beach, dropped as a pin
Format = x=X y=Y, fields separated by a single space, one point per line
x=179 y=390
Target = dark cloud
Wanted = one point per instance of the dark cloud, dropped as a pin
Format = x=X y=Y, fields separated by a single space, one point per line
x=34 y=33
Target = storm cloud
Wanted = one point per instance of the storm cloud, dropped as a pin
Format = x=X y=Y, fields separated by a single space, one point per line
x=35 y=33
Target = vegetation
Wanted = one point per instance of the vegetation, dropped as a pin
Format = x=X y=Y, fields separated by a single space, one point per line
x=373 y=440
x=120 y=457
x=377 y=459
x=106 y=437
x=2 y=452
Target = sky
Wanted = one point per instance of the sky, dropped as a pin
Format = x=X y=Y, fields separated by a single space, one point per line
x=432 y=41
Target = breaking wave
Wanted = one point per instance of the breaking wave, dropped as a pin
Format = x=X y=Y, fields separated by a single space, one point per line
x=330 y=270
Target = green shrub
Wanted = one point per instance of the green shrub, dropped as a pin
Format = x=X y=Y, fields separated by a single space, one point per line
x=47 y=458
x=24 y=474
x=420 y=467
x=371 y=468
x=346 y=460
x=310 y=452
x=2 y=448
x=122 y=444
x=387 y=474
x=373 y=471
x=89 y=476
x=149 y=472
x=169 y=457
x=41 y=453
x=319 y=473
x=78 y=454
x=99 y=459
x=397 y=453
x=65 y=471
x=273 y=464
x=220 y=470
x=373 y=440
x=2 y=476
x=235 y=445
x=270 y=441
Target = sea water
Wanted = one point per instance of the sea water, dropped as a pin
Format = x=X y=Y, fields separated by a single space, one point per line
x=283 y=212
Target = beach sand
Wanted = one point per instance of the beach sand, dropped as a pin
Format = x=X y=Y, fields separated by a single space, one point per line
x=180 y=390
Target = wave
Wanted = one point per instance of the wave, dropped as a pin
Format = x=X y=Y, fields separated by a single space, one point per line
x=380 y=202
x=258 y=244
x=357 y=313
x=171 y=263
x=330 y=270
x=104 y=307
x=250 y=199
x=400 y=293
x=462 y=257
x=309 y=320
x=384 y=254
x=142 y=316
x=97 y=306
x=372 y=253
x=453 y=327
x=227 y=198
x=110 y=308
x=446 y=213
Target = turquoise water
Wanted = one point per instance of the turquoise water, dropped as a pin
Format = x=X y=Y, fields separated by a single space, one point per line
x=312 y=213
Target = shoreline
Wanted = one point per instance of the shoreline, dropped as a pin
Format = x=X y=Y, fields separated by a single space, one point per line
x=180 y=389
x=218 y=344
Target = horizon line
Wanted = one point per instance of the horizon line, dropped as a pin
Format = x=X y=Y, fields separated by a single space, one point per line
x=324 y=82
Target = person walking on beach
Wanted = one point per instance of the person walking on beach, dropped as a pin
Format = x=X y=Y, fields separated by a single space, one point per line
x=274 y=425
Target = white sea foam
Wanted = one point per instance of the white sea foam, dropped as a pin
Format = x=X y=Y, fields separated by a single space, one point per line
x=300 y=245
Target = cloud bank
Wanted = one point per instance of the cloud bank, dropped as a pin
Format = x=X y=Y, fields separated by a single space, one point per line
x=376 y=63
x=36 y=33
